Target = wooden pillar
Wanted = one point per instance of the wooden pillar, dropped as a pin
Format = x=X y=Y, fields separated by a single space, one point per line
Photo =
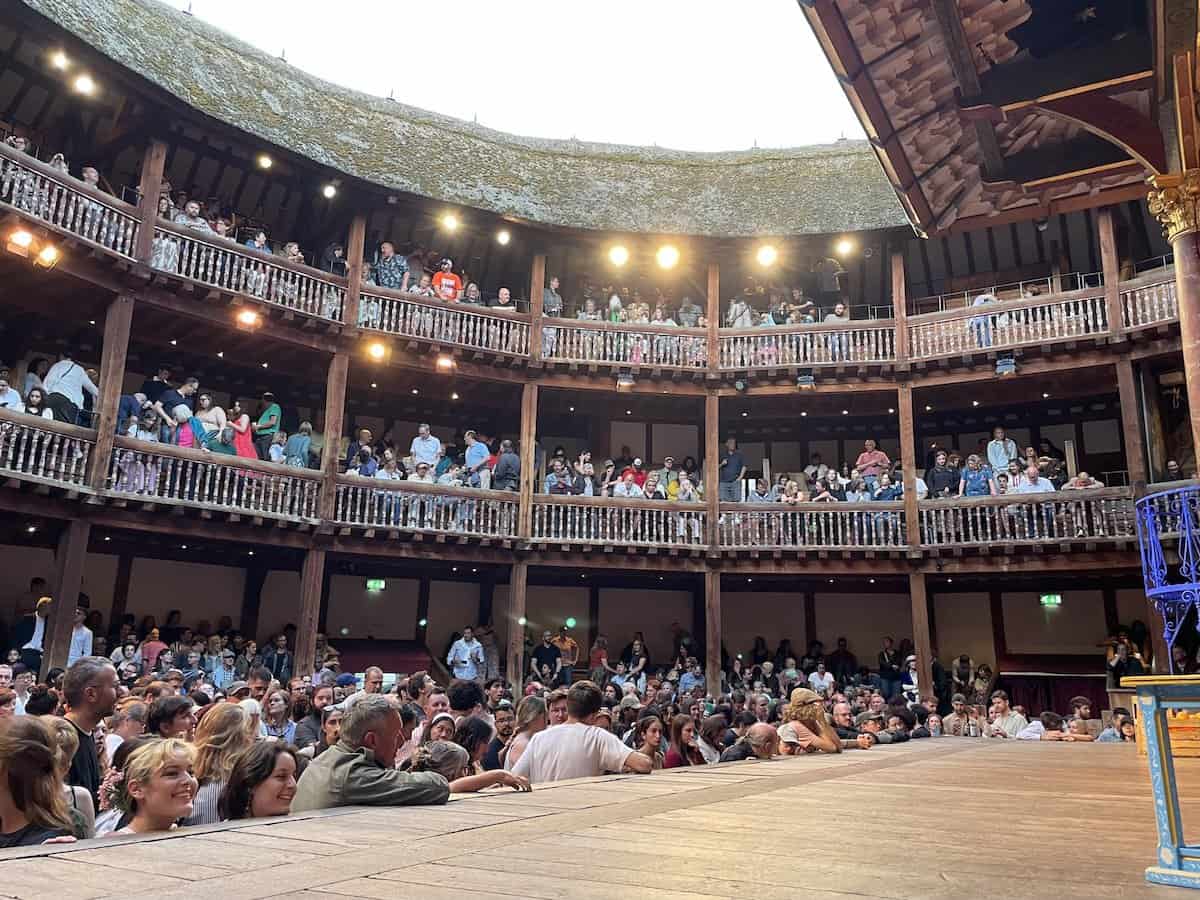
x=514 y=657
x=900 y=306
x=154 y=161
x=529 y=409
x=117 y=324
x=712 y=311
x=1110 y=262
x=712 y=632
x=1131 y=425
x=355 y=245
x=537 y=287
x=487 y=599
x=810 y=619
x=335 y=411
x=593 y=615
x=120 y=591
x=908 y=458
x=255 y=578
x=1056 y=268
x=312 y=576
x=423 y=590
x=922 y=638
x=712 y=450
x=69 y=557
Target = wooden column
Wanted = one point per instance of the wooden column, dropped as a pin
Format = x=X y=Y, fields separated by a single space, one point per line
x=69 y=558
x=922 y=639
x=1110 y=262
x=255 y=578
x=312 y=575
x=908 y=458
x=514 y=657
x=1131 y=425
x=712 y=450
x=487 y=599
x=1056 y=268
x=900 y=306
x=537 y=287
x=154 y=161
x=712 y=632
x=712 y=311
x=118 y=321
x=335 y=411
x=423 y=590
x=593 y=615
x=121 y=590
x=529 y=404
x=355 y=245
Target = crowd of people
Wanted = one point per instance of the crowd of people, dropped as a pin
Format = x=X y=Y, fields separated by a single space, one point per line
x=181 y=726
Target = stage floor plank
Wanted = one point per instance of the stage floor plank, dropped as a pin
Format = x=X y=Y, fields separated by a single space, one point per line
x=928 y=819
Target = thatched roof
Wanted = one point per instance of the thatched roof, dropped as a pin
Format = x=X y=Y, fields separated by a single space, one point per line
x=806 y=190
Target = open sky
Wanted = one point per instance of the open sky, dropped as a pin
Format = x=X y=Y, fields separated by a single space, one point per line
x=685 y=74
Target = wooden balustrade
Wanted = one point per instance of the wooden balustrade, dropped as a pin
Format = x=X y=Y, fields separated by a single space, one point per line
x=36 y=449
x=214 y=261
x=67 y=204
x=217 y=483
x=447 y=324
x=1149 y=304
x=649 y=346
x=811 y=526
x=996 y=326
x=596 y=521
x=375 y=503
x=1088 y=515
x=868 y=342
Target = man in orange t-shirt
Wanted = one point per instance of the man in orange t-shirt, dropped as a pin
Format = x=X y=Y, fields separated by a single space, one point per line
x=446 y=284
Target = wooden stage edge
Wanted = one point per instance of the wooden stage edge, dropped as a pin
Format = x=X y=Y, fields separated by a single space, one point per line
x=945 y=818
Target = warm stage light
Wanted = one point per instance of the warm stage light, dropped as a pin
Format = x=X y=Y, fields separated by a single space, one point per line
x=59 y=60
x=767 y=255
x=450 y=222
x=667 y=256
x=247 y=317
x=618 y=255
x=85 y=85
x=377 y=351
x=329 y=191
x=445 y=363
x=844 y=247
x=48 y=256
x=503 y=237
x=21 y=238
x=264 y=161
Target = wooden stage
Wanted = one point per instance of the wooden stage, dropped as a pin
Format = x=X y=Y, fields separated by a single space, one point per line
x=948 y=818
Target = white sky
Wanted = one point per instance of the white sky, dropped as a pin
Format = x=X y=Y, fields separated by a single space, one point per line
x=686 y=74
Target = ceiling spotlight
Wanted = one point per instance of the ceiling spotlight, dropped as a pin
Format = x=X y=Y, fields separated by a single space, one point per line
x=766 y=255
x=454 y=396
x=59 y=60
x=445 y=362
x=21 y=238
x=220 y=354
x=667 y=256
x=844 y=247
x=107 y=538
x=845 y=412
x=629 y=412
x=265 y=365
x=522 y=621
x=376 y=351
x=803 y=413
x=618 y=255
x=174 y=343
x=1045 y=395
x=247 y=318
x=571 y=409
x=450 y=222
x=329 y=191
x=503 y=237
x=31 y=529
x=974 y=402
x=744 y=413
x=374 y=384
x=85 y=85
x=891 y=410
x=47 y=256
x=421 y=623
x=415 y=391
x=264 y=161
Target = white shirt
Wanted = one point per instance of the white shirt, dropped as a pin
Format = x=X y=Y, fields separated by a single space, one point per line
x=425 y=449
x=81 y=643
x=39 y=635
x=1041 y=486
x=11 y=400
x=571 y=750
x=822 y=684
x=465 y=658
x=628 y=490
x=67 y=377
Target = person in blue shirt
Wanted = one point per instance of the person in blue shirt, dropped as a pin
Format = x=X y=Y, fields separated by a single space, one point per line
x=477 y=457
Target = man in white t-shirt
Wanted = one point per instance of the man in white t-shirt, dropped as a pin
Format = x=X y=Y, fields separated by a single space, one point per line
x=821 y=681
x=578 y=748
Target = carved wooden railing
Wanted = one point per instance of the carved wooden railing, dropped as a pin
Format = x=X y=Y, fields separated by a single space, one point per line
x=36 y=449
x=164 y=473
x=67 y=204
x=220 y=263
x=1152 y=303
x=1015 y=323
x=811 y=526
x=376 y=503
x=445 y=324
x=870 y=342
x=1091 y=515
x=616 y=521
x=650 y=346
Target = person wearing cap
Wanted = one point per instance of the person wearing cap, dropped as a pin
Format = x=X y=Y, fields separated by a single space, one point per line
x=804 y=729
x=237 y=691
x=957 y=723
x=446 y=284
x=871 y=724
x=266 y=426
x=568 y=650
x=635 y=469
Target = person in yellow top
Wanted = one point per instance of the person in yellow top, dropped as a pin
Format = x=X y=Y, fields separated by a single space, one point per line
x=570 y=655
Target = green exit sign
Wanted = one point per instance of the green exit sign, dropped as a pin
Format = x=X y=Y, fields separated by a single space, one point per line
x=376 y=585
x=1051 y=600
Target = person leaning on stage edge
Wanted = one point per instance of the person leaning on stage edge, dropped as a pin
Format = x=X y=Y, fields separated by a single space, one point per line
x=360 y=769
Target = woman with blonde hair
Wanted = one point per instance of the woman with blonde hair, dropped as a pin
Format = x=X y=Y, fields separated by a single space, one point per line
x=277 y=721
x=33 y=807
x=222 y=734
x=157 y=786
x=804 y=728
x=531 y=718
x=81 y=809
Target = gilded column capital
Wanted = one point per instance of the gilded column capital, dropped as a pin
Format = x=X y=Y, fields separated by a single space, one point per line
x=1175 y=202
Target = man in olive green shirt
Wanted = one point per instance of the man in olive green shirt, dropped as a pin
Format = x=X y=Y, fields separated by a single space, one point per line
x=360 y=769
